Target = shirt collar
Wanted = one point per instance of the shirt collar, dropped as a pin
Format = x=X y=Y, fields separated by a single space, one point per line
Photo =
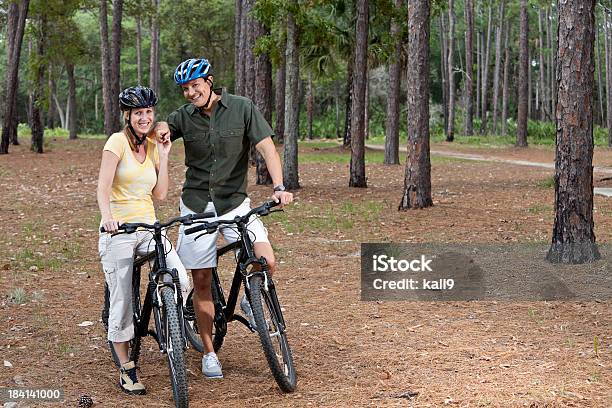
x=191 y=109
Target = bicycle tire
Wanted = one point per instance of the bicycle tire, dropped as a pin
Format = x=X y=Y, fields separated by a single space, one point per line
x=135 y=343
x=269 y=324
x=174 y=348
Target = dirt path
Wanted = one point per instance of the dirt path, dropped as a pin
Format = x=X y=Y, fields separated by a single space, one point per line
x=348 y=352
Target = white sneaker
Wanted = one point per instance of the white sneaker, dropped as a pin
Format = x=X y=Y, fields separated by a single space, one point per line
x=211 y=367
x=248 y=312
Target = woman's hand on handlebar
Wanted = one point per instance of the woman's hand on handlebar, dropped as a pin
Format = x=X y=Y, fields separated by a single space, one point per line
x=111 y=225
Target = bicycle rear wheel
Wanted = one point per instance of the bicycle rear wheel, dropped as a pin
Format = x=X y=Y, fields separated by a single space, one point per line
x=174 y=347
x=271 y=329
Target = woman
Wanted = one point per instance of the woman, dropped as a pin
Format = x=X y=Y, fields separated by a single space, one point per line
x=134 y=169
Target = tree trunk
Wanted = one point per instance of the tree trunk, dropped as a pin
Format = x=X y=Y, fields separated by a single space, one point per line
x=263 y=100
x=249 y=57
x=154 y=52
x=310 y=106
x=497 y=71
x=417 y=179
x=60 y=111
x=599 y=68
x=366 y=115
x=337 y=107
x=529 y=85
x=357 y=166
x=469 y=68
x=107 y=92
x=485 y=74
x=37 y=95
x=521 y=131
x=573 y=239
x=349 y=99
x=238 y=62
x=543 y=104
x=505 y=95
x=72 y=106
x=393 y=95
x=608 y=50
x=478 y=70
x=17 y=12
x=444 y=69
x=292 y=106
x=450 y=131
x=51 y=112
x=139 y=48
x=279 y=128
x=115 y=64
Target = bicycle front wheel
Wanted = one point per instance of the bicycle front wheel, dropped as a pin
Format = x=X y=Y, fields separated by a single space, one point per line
x=272 y=334
x=174 y=347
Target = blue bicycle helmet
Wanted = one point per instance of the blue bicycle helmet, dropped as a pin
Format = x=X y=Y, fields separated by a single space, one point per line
x=191 y=69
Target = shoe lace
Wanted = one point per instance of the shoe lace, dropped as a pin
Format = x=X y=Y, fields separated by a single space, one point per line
x=132 y=374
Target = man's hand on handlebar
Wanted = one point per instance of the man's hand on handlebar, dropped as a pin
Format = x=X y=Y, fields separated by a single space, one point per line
x=282 y=197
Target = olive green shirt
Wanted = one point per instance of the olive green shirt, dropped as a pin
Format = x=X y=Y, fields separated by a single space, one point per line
x=217 y=150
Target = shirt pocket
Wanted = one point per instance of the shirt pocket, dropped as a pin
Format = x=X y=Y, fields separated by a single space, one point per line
x=231 y=141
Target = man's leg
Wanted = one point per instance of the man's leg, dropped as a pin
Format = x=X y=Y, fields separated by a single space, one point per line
x=203 y=305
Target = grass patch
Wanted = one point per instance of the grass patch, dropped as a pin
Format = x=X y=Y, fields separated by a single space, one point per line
x=548 y=182
x=18 y=296
x=300 y=218
x=318 y=144
x=539 y=209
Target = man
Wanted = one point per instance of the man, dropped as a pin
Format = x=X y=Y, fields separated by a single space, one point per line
x=218 y=130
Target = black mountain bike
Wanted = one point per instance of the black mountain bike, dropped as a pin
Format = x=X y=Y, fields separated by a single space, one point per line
x=252 y=273
x=163 y=298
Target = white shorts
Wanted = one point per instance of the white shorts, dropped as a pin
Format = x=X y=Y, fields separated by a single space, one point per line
x=203 y=252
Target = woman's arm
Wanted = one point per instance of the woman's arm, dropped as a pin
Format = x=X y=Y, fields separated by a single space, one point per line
x=160 y=191
x=105 y=183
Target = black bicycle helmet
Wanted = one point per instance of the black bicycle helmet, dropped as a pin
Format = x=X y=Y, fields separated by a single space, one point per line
x=137 y=97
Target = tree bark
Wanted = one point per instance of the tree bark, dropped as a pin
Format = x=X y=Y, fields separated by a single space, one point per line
x=521 y=131
x=573 y=239
x=393 y=95
x=599 y=68
x=505 y=94
x=115 y=64
x=543 y=104
x=417 y=178
x=107 y=92
x=292 y=107
x=497 y=70
x=469 y=68
x=358 y=107
x=72 y=106
x=279 y=128
x=444 y=69
x=263 y=99
x=450 y=130
x=485 y=74
x=238 y=62
x=349 y=99
x=139 y=48
x=249 y=57
x=17 y=13
x=37 y=126
x=154 y=52
x=310 y=106
x=478 y=70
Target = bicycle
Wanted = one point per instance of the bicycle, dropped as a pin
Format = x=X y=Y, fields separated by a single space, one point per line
x=252 y=273
x=164 y=300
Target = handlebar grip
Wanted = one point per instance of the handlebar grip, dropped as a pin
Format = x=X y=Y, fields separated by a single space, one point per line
x=129 y=228
x=203 y=215
x=195 y=229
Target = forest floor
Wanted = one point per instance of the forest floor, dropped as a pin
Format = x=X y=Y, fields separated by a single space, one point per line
x=348 y=352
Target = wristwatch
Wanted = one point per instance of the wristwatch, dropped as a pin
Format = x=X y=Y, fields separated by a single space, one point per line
x=280 y=187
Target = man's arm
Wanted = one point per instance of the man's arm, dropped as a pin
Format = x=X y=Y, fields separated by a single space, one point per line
x=268 y=151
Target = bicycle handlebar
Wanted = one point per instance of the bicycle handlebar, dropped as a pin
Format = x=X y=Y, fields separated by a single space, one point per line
x=130 y=227
x=211 y=227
